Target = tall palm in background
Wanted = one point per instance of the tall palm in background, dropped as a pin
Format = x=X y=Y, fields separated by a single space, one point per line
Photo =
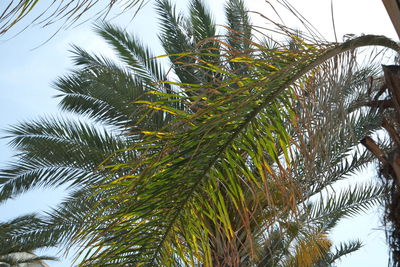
x=14 y=253
x=54 y=151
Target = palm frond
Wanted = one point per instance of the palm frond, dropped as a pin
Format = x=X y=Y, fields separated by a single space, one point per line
x=102 y=92
x=327 y=211
x=69 y=11
x=176 y=39
x=174 y=36
x=342 y=250
x=10 y=232
x=59 y=225
x=323 y=101
x=202 y=23
x=239 y=25
x=54 y=151
x=131 y=51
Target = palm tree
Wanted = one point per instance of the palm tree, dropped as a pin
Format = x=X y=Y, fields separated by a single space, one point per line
x=55 y=151
x=386 y=101
x=230 y=192
x=102 y=91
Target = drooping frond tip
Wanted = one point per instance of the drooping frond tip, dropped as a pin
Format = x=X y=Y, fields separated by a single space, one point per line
x=49 y=12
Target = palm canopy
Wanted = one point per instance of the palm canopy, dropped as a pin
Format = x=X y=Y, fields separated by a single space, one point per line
x=58 y=150
x=53 y=151
x=215 y=162
x=232 y=165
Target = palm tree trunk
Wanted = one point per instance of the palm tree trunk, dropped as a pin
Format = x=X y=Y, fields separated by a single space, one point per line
x=390 y=159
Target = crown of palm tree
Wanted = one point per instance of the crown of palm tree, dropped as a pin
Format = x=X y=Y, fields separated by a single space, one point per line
x=16 y=253
x=231 y=114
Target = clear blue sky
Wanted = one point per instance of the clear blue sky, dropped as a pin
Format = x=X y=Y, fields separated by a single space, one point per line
x=26 y=75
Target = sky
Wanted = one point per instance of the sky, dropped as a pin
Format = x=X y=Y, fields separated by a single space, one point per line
x=27 y=72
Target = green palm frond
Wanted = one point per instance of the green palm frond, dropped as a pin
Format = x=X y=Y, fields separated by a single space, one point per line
x=59 y=225
x=238 y=22
x=239 y=31
x=175 y=39
x=327 y=211
x=11 y=231
x=131 y=51
x=102 y=93
x=202 y=23
x=54 y=151
x=342 y=250
x=105 y=92
x=174 y=36
x=204 y=34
